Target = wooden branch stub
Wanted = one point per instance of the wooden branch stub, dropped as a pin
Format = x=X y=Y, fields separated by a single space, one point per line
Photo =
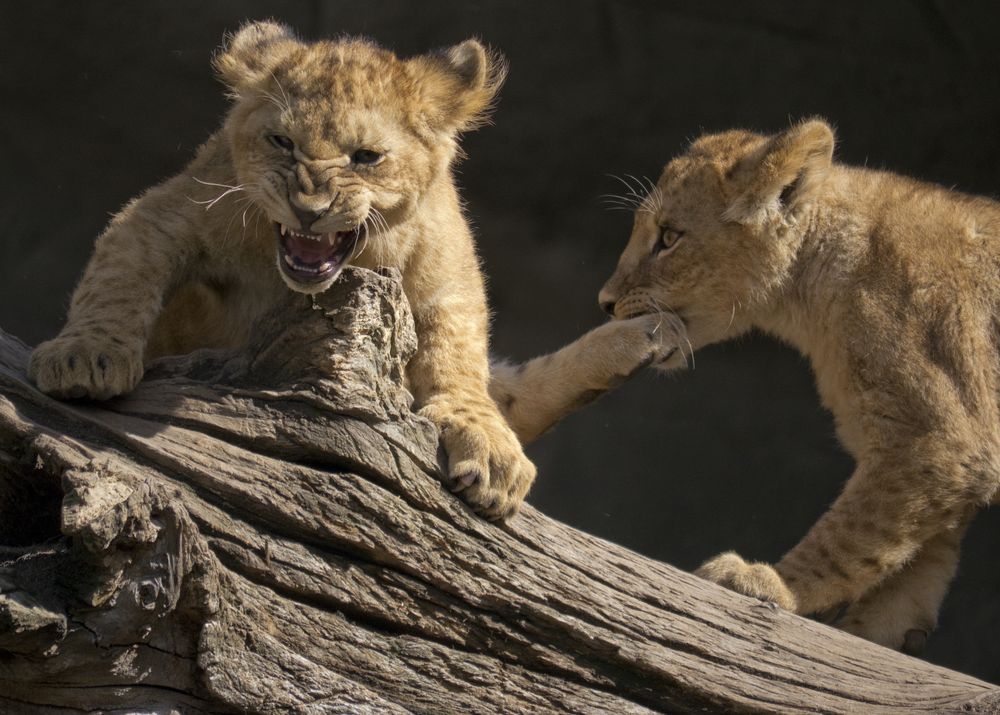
x=265 y=531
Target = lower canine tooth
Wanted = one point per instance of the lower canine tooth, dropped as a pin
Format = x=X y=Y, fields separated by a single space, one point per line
x=289 y=261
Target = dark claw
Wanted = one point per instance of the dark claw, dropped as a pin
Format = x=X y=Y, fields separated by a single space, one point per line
x=102 y=362
x=503 y=515
x=71 y=361
x=666 y=357
x=833 y=614
x=488 y=511
x=914 y=642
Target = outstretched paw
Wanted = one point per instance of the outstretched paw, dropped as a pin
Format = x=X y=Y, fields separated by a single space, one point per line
x=69 y=367
x=751 y=579
x=647 y=340
x=486 y=464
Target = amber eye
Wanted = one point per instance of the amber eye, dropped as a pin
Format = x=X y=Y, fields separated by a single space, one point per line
x=280 y=141
x=669 y=238
x=366 y=156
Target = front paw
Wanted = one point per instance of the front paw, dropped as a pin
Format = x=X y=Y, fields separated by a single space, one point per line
x=646 y=340
x=486 y=463
x=902 y=623
x=68 y=367
x=751 y=579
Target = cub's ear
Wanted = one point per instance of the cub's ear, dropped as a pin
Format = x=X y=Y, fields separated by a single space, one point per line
x=459 y=85
x=783 y=169
x=249 y=55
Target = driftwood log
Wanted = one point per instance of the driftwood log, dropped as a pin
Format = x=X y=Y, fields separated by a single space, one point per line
x=265 y=531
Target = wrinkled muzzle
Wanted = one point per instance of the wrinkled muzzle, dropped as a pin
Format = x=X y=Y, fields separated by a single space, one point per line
x=319 y=236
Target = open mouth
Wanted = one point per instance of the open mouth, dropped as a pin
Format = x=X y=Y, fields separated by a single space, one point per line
x=308 y=257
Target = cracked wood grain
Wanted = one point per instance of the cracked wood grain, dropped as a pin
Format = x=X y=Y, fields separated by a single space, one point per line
x=264 y=531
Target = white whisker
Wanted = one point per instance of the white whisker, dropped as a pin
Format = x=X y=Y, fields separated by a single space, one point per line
x=638 y=183
x=655 y=195
x=619 y=198
x=212 y=183
x=628 y=186
x=677 y=325
x=364 y=225
x=281 y=89
x=209 y=203
x=275 y=101
x=637 y=198
x=229 y=225
x=383 y=222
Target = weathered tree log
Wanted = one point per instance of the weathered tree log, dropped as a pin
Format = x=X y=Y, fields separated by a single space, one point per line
x=265 y=531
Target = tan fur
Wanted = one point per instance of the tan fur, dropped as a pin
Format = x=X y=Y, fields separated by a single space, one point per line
x=207 y=237
x=537 y=394
x=889 y=286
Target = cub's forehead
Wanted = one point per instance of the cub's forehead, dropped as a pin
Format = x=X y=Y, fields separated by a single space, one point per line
x=351 y=72
x=686 y=172
x=341 y=94
x=725 y=146
x=709 y=158
x=690 y=185
x=319 y=131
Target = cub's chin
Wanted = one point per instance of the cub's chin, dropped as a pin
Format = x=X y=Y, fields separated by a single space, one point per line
x=310 y=262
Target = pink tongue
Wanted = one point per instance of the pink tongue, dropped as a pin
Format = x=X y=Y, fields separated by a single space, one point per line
x=305 y=250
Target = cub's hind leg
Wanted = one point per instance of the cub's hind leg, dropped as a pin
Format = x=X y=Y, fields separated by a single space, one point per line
x=902 y=611
x=535 y=395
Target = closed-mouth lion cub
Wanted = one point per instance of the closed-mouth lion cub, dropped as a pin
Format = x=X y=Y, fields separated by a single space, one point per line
x=889 y=286
x=333 y=152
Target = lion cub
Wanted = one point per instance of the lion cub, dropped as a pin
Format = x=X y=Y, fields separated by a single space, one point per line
x=332 y=153
x=890 y=287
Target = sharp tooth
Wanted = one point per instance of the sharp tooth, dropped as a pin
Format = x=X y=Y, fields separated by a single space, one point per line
x=284 y=230
x=331 y=238
x=289 y=261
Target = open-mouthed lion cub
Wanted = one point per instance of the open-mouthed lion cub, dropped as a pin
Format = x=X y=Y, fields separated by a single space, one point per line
x=333 y=152
x=890 y=287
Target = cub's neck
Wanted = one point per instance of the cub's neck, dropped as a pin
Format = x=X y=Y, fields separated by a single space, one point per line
x=805 y=310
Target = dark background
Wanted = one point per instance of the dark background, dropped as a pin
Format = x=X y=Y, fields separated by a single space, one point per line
x=99 y=100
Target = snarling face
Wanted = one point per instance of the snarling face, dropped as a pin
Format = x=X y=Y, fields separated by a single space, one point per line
x=337 y=141
x=717 y=235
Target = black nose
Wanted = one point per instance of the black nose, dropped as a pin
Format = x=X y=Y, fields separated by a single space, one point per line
x=306 y=218
x=608 y=306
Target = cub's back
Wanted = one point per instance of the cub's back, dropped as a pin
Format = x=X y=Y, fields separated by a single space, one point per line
x=930 y=237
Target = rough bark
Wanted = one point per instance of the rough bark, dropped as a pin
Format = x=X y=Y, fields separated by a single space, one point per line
x=265 y=531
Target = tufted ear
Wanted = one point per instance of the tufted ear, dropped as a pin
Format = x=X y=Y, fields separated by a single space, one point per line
x=249 y=55
x=459 y=85
x=782 y=170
